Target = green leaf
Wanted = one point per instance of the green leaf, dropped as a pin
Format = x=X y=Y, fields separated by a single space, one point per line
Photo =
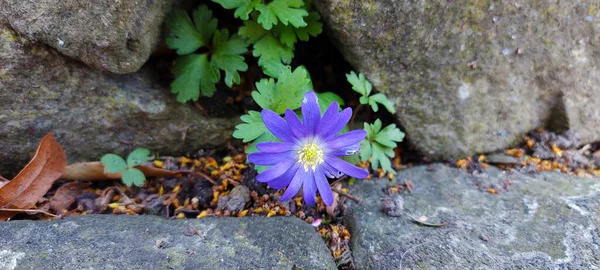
x=113 y=163
x=182 y=35
x=267 y=17
x=270 y=48
x=379 y=145
x=194 y=74
x=289 y=11
x=252 y=128
x=286 y=33
x=138 y=156
x=313 y=28
x=326 y=98
x=243 y=7
x=205 y=23
x=383 y=100
x=252 y=31
x=287 y=93
x=133 y=176
x=274 y=68
x=360 y=85
x=227 y=56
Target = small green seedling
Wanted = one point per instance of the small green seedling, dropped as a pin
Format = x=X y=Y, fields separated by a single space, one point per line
x=362 y=86
x=130 y=175
x=379 y=145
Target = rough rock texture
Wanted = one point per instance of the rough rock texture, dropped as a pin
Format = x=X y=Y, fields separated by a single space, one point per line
x=546 y=221
x=473 y=76
x=117 y=36
x=90 y=112
x=149 y=242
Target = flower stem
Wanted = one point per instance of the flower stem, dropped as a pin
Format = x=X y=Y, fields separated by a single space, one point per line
x=354 y=115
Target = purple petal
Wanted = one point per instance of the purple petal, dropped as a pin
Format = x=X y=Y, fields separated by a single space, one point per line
x=285 y=179
x=294 y=186
x=328 y=117
x=334 y=125
x=294 y=123
x=311 y=114
x=330 y=171
x=269 y=159
x=309 y=189
x=346 y=139
x=323 y=186
x=346 y=151
x=274 y=147
x=275 y=171
x=277 y=125
x=346 y=167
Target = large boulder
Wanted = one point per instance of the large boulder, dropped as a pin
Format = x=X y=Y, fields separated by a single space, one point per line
x=149 y=242
x=117 y=36
x=474 y=76
x=91 y=112
x=544 y=221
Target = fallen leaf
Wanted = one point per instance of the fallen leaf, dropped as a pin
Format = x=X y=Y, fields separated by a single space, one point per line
x=3 y=181
x=30 y=185
x=95 y=171
x=66 y=195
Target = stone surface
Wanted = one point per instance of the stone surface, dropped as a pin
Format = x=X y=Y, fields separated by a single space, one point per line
x=149 y=242
x=545 y=221
x=117 y=36
x=472 y=77
x=90 y=112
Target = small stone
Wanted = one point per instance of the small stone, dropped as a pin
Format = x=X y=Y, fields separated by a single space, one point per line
x=393 y=206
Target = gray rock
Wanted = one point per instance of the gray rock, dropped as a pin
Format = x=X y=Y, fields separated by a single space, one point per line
x=149 y=242
x=90 y=112
x=546 y=221
x=117 y=36
x=474 y=77
x=236 y=200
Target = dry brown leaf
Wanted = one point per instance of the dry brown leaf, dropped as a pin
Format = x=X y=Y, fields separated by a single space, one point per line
x=3 y=181
x=95 y=171
x=66 y=195
x=30 y=185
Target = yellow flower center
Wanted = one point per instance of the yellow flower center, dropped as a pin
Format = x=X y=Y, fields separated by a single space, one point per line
x=310 y=155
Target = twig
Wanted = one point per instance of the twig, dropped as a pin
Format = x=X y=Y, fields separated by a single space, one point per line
x=409 y=249
x=201 y=109
x=354 y=115
x=339 y=180
x=355 y=199
x=33 y=211
x=207 y=178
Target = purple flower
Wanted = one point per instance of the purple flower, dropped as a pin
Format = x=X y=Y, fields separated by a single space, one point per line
x=308 y=151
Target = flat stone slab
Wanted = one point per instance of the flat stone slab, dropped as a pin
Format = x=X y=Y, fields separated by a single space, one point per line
x=150 y=242
x=545 y=221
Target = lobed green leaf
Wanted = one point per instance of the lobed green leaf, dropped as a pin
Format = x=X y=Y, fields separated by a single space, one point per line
x=133 y=176
x=287 y=92
x=252 y=128
x=226 y=56
x=113 y=163
x=138 y=156
x=182 y=35
x=243 y=7
x=194 y=74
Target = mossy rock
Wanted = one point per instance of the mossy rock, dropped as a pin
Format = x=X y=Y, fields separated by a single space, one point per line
x=474 y=76
x=91 y=112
